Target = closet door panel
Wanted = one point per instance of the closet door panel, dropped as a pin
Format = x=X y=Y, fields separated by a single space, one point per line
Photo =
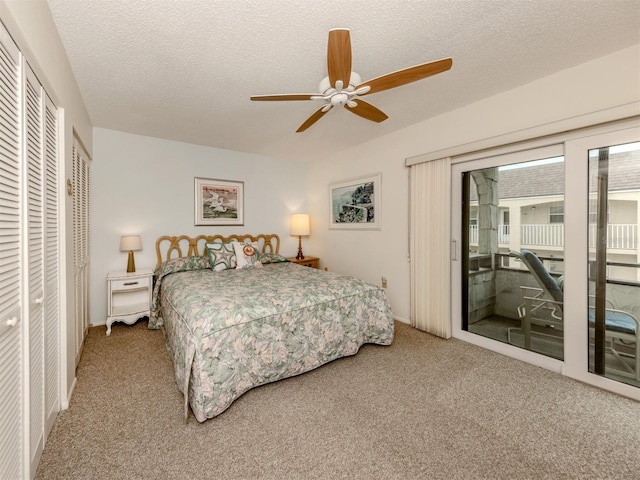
x=52 y=270
x=11 y=429
x=81 y=243
x=35 y=241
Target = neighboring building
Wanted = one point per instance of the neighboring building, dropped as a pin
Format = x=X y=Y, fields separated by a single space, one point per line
x=531 y=211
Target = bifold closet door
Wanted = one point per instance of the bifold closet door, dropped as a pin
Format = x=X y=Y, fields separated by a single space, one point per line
x=80 y=244
x=52 y=266
x=35 y=241
x=41 y=165
x=29 y=264
x=11 y=426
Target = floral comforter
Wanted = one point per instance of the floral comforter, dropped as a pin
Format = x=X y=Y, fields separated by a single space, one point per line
x=233 y=330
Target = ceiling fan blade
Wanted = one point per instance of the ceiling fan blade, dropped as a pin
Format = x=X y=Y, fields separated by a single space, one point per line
x=339 y=56
x=317 y=115
x=407 y=75
x=368 y=111
x=284 y=96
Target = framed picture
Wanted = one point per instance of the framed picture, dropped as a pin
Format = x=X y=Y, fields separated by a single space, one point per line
x=355 y=204
x=219 y=202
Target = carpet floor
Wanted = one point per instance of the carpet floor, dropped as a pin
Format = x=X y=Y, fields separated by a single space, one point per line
x=422 y=408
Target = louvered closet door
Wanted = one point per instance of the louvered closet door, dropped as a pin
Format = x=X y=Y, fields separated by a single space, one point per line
x=81 y=243
x=35 y=241
x=11 y=434
x=52 y=269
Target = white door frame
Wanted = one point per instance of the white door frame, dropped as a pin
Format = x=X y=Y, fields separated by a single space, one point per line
x=576 y=351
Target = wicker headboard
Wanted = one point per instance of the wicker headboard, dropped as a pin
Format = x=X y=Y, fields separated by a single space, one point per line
x=185 y=246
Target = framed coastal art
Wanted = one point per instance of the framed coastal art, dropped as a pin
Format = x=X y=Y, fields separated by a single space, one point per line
x=219 y=202
x=355 y=204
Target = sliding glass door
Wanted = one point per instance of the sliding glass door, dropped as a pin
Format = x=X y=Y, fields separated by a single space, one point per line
x=614 y=262
x=512 y=221
x=546 y=255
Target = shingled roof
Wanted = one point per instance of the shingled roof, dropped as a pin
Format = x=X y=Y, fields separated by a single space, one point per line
x=548 y=179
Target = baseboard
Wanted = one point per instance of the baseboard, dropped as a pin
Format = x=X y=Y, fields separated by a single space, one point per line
x=64 y=404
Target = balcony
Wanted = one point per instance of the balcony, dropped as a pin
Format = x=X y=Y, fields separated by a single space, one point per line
x=495 y=298
x=619 y=236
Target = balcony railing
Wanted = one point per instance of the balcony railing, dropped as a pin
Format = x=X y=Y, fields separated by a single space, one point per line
x=547 y=235
x=619 y=236
x=503 y=234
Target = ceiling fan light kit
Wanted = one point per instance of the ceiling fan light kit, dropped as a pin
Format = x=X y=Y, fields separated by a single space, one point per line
x=332 y=87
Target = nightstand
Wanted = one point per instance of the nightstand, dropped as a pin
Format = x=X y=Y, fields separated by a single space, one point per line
x=313 y=262
x=128 y=296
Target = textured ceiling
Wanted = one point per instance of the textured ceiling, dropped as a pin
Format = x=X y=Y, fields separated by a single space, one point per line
x=185 y=69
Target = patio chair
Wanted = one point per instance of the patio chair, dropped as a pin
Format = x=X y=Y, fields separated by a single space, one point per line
x=543 y=306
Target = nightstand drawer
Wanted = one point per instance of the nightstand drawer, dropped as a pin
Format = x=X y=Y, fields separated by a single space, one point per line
x=313 y=262
x=130 y=284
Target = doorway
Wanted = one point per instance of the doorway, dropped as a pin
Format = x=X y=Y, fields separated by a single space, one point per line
x=518 y=193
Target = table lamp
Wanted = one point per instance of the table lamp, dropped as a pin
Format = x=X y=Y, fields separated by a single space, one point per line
x=130 y=243
x=300 y=227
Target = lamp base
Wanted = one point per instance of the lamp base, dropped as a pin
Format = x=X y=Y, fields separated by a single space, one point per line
x=300 y=256
x=131 y=264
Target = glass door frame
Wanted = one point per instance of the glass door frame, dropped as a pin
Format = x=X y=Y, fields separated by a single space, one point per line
x=457 y=236
x=575 y=147
x=577 y=260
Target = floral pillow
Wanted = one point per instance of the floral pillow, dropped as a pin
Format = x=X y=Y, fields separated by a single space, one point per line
x=266 y=258
x=247 y=255
x=221 y=255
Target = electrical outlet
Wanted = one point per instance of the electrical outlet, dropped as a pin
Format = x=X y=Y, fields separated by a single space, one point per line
x=384 y=282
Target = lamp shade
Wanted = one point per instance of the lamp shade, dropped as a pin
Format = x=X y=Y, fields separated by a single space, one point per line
x=300 y=224
x=130 y=243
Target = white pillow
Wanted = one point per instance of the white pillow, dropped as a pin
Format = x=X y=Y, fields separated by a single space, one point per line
x=247 y=255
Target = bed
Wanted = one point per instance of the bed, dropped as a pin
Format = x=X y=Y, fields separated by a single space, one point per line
x=229 y=329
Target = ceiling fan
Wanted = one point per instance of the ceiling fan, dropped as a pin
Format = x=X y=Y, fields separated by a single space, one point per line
x=342 y=87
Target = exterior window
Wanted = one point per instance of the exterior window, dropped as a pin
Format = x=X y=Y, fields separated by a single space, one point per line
x=556 y=214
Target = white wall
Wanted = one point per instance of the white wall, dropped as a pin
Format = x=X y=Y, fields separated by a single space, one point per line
x=591 y=87
x=144 y=185
x=32 y=28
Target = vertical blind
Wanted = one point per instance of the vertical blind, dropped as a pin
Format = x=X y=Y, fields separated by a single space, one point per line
x=430 y=234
